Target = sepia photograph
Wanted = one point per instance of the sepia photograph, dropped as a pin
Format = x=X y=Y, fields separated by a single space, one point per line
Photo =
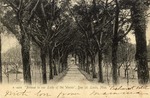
x=74 y=48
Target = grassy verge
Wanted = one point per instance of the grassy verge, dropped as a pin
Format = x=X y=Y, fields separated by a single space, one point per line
x=88 y=76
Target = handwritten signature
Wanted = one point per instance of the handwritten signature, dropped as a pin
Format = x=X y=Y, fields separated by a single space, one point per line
x=39 y=93
x=113 y=90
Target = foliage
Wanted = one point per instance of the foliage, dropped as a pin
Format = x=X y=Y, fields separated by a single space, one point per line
x=12 y=56
x=60 y=28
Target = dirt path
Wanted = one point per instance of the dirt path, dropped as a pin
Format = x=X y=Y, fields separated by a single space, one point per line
x=74 y=76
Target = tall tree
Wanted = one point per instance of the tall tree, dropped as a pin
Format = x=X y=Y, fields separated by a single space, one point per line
x=122 y=26
x=47 y=22
x=115 y=44
x=0 y=56
x=18 y=9
x=139 y=20
x=0 y=48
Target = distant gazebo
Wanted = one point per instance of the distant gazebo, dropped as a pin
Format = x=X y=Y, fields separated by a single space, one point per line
x=72 y=60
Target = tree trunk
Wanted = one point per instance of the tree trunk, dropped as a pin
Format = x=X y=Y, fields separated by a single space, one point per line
x=107 y=76
x=59 y=62
x=25 y=51
x=7 y=74
x=114 y=62
x=84 y=63
x=80 y=62
x=65 y=62
x=55 y=69
x=55 y=62
x=115 y=45
x=62 y=68
x=127 y=77
x=125 y=72
x=87 y=64
x=59 y=65
x=100 y=58
x=118 y=72
x=0 y=60
x=17 y=69
x=139 y=21
x=119 y=68
x=75 y=59
x=93 y=69
x=43 y=60
x=50 y=65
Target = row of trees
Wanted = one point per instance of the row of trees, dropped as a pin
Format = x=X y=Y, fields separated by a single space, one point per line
x=84 y=28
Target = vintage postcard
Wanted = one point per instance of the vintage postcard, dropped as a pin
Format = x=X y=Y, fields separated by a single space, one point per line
x=74 y=48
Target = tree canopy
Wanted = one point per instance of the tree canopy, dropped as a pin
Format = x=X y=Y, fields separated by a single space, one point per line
x=85 y=29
